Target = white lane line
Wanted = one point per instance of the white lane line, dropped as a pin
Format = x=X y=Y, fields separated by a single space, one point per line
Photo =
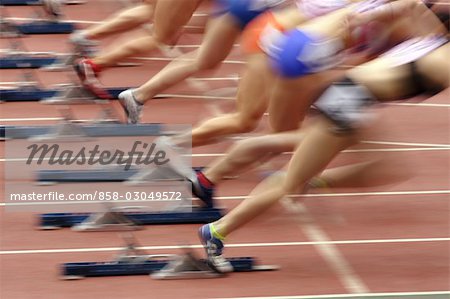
x=170 y=59
x=405 y=143
x=420 y=149
x=420 y=105
x=419 y=295
x=348 y=277
x=235 y=245
x=241 y=197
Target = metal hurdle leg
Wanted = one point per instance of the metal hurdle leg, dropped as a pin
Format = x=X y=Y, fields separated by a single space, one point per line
x=110 y=220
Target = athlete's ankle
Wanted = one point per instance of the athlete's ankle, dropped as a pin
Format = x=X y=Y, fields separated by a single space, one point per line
x=204 y=180
x=216 y=231
x=96 y=67
x=138 y=96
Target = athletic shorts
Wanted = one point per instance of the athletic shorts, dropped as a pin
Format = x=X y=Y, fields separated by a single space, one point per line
x=258 y=32
x=244 y=11
x=346 y=104
x=296 y=53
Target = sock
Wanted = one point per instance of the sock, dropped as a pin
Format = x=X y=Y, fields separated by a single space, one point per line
x=317 y=182
x=215 y=233
x=203 y=180
x=135 y=100
x=95 y=67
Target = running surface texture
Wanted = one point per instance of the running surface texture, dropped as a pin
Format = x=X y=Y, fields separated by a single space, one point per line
x=389 y=241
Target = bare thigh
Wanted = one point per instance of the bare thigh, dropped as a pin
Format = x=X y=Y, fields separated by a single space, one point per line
x=385 y=82
x=434 y=67
x=254 y=87
x=221 y=34
x=291 y=98
x=170 y=16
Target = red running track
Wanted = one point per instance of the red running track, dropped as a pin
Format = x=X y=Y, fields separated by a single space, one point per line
x=390 y=238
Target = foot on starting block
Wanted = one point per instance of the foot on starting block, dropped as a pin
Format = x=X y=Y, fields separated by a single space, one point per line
x=66 y=62
x=166 y=266
x=72 y=94
x=47 y=177
x=30 y=91
x=186 y=266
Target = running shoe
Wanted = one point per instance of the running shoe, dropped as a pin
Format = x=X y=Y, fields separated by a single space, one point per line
x=203 y=189
x=132 y=108
x=214 y=248
x=87 y=71
x=83 y=46
x=201 y=186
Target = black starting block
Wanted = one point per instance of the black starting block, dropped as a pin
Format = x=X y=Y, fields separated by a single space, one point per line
x=134 y=261
x=120 y=218
x=53 y=221
x=29 y=61
x=30 y=92
x=92 y=130
x=46 y=27
x=38 y=26
x=88 y=176
x=17 y=59
x=71 y=271
x=50 y=24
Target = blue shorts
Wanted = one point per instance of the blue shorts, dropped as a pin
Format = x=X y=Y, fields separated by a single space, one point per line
x=297 y=53
x=244 y=11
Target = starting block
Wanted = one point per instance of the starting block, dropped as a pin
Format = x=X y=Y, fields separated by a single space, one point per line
x=51 y=61
x=31 y=61
x=29 y=91
x=38 y=26
x=46 y=27
x=129 y=217
x=52 y=221
x=65 y=63
x=92 y=130
x=50 y=24
x=162 y=267
x=89 y=176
